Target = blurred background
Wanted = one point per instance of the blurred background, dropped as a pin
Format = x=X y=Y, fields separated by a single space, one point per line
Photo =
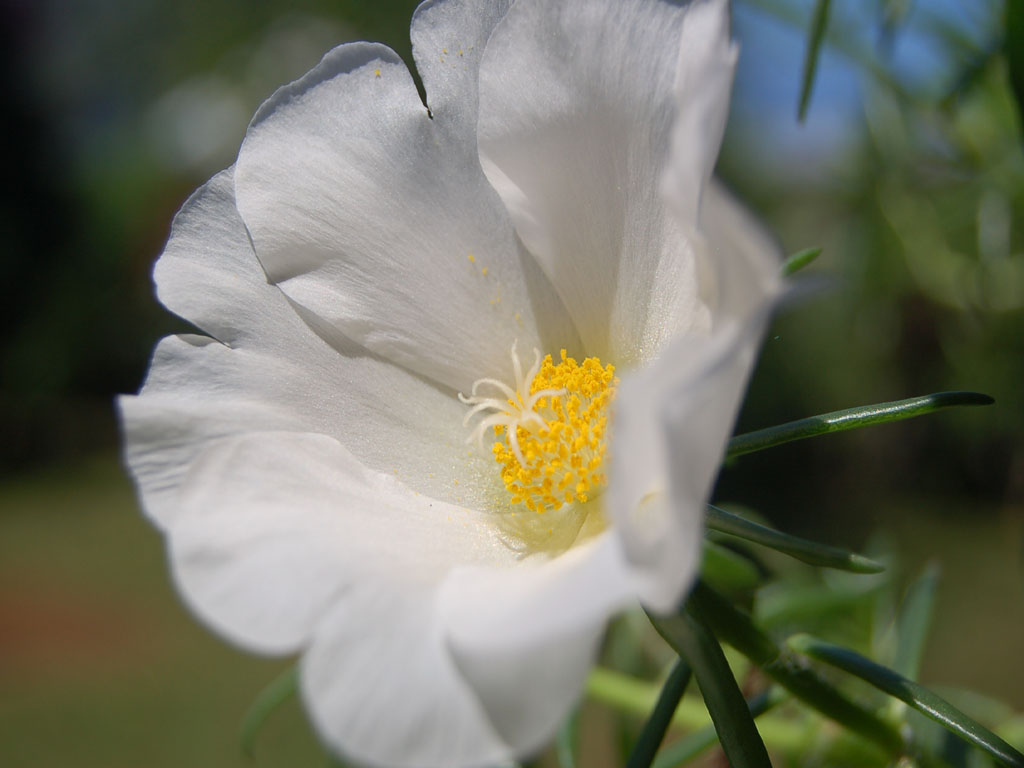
x=907 y=171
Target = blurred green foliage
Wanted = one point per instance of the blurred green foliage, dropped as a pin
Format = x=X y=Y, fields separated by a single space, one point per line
x=118 y=112
x=921 y=282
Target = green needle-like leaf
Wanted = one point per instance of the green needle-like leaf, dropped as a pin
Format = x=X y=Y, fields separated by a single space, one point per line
x=851 y=418
x=691 y=639
x=799 y=260
x=914 y=695
x=811 y=605
x=661 y=717
x=567 y=741
x=802 y=549
x=727 y=570
x=914 y=621
x=816 y=34
x=848 y=46
x=638 y=697
x=737 y=629
x=1013 y=48
x=269 y=699
x=684 y=750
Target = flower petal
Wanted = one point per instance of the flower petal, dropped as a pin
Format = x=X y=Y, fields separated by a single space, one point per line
x=381 y=688
x=673 y=418
x=448 y=39
x=576 y=110
x=525 y=638
x=378 y=220
x=274 y=372
x=746 y=257
x=704 y=74
x=286 y=543
x=275 y=528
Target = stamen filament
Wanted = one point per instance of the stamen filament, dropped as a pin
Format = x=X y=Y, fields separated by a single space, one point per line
x=551 y=429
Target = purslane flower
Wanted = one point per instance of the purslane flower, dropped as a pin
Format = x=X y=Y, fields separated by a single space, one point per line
x=469 y=370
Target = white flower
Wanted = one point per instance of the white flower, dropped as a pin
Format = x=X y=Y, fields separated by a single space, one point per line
x=308 y=461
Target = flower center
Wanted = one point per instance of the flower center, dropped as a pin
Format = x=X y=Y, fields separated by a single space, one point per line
x=551 y=429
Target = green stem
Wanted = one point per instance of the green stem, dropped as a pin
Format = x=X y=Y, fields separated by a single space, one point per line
x=850 y=418
x=280 y=689
x=737 y=629
x=637 y=697
x=692 y=745
x=909 y=692
x=657 y=724
x=692 y=639
x=567 y=742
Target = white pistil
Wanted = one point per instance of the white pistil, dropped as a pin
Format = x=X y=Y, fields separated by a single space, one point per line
x=514 y=411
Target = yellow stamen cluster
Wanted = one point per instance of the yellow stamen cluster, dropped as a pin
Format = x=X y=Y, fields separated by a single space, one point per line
x=558 y=458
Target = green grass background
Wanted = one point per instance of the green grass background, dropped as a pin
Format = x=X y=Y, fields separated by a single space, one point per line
x=101 y=665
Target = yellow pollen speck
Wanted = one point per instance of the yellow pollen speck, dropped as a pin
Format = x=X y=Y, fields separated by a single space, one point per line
x=472 y=258
x=376 y=73
x=444 y=50
x=483 y=271
x=551 y=430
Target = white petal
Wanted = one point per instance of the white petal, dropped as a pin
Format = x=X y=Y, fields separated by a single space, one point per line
x=209 y=275
x=707 y=63
x=576 y=110
x=525 y=638
x=479 y=672
x=448 y=39
x=381 y=688
x=745 y=257
x=274 y=372
x=276 y=527
x=673 y=419
x=378 y=220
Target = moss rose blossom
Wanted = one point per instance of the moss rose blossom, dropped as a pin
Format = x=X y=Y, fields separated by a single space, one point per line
x=469 y=370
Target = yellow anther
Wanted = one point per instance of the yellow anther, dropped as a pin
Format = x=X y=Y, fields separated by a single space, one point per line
x=550 y=429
